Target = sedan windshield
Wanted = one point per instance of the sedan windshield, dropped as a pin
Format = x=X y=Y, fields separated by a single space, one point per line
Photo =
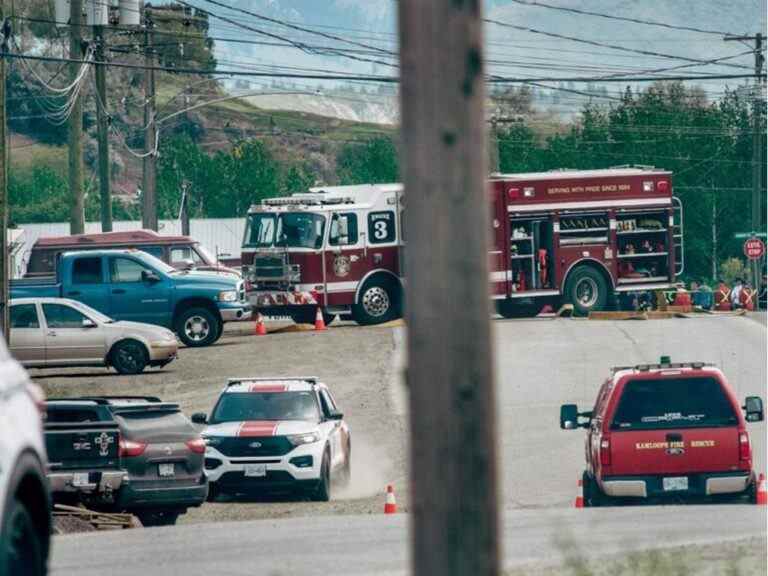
x=287 y=229
x=249 y=406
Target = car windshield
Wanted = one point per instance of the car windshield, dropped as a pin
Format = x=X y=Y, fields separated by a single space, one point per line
x=287 y=229
x=155 y=263
x=92 y=313
x=673 y=403
x=245 y=406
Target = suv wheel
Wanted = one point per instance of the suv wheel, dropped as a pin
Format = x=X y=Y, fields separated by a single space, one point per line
x=198 y=327
x=21 y=551
x=129 y=357
x=158 y=517
x=323 y=491
x=510 y=309
x=587 y=290
x=593 y=497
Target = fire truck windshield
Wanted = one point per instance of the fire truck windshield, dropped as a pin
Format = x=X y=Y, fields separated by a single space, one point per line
x=286 y=229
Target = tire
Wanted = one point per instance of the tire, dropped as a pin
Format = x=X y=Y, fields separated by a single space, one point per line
x=213 y=492
x=21 y=551
x=587 y=290
x=379 y=302
x=198 y=327
x=510 y=309
x=593 y=496
x=323 y=491
x=150 y=518
x=308 y=316
x=129 y=357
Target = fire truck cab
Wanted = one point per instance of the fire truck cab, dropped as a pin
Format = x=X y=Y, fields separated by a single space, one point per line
x=333 y=247
x=582 y=237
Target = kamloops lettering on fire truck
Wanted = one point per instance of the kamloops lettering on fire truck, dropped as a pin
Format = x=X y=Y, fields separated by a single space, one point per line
x=579 y=237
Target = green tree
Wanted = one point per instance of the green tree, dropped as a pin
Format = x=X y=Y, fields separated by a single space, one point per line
x=372 y=162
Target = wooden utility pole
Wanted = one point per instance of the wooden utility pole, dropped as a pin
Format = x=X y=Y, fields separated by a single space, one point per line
x=149 y=179
x=102 y=130
x=757 y=149
x=76 y=191
x=450 y=361
x=5 y=268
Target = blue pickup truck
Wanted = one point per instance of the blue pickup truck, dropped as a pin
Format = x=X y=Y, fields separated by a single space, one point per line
x=133 y=285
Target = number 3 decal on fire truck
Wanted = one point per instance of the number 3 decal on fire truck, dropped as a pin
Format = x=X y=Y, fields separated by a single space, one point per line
x=381 y=227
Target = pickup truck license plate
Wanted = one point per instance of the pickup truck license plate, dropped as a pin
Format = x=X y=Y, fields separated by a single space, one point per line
x=80 y=479
x=675 y=483
x=255 y=470
x=165 y=469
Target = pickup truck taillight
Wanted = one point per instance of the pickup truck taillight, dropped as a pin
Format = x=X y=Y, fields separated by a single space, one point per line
x=745 y=450
x=605 y=451
x=196 y=445
x=129 y=448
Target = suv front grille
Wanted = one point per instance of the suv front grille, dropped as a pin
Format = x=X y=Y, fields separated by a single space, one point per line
x=253 y=446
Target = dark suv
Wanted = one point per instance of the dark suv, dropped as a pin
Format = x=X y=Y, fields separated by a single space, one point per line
x=666 y=431
x=162 y=454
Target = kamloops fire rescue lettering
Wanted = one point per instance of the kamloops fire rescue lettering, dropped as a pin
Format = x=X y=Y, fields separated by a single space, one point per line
x=578 y=237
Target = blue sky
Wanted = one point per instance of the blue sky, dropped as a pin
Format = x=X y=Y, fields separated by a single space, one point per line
x=509 y=52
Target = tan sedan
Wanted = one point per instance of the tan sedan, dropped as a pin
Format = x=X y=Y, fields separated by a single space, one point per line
x=56 y=332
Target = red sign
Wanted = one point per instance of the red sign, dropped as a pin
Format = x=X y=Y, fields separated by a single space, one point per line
x=754 y=248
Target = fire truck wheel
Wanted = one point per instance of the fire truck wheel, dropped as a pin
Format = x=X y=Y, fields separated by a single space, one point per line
x=587 y=290
x=377 y=302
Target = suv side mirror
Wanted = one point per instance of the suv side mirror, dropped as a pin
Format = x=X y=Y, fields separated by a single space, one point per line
x=88 y=323
x=200 y=418
x=335 y=415
x=569 y=417
x=753 y=406
x=147 y=276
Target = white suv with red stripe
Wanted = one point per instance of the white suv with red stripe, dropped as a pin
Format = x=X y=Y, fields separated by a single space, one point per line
x=273 y=435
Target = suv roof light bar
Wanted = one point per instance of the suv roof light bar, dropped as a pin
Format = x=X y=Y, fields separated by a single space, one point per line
x=665 y=366
x=309 y=379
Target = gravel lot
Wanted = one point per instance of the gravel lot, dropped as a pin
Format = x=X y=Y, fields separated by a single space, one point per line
x=355 y=362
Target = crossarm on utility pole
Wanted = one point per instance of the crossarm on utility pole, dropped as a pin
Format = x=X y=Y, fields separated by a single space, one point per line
x=450 y=369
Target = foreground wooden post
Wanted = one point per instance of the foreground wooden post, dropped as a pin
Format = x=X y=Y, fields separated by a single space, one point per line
x=450 y=371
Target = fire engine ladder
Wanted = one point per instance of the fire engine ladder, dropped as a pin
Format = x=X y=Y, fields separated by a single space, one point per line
x=677 y=236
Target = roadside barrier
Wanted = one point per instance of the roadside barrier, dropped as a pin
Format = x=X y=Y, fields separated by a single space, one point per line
x=319 y=321
x=579 y=502
x=390 y=505
x=260 y=329
x=762 y=496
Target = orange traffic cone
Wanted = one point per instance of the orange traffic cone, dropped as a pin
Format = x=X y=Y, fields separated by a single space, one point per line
x=261 y=329
x=579 y=502
x=762 y=496
x=390 y=506
x=319 y=320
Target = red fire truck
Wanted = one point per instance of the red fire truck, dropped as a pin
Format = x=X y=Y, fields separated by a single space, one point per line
x=580 y=237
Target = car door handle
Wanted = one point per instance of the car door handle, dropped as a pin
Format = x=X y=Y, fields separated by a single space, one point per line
x=51 y=333
x=73 y=293
x=118 y=291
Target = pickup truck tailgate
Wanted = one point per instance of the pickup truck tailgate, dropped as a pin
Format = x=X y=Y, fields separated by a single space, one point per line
x=89 y=445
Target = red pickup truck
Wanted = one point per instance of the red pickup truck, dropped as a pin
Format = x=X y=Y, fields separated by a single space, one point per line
x=666 y=432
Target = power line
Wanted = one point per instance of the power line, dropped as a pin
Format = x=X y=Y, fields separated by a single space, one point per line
x=601 y=44
x=622 y=18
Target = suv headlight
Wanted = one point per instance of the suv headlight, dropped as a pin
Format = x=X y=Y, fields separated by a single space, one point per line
x=300 y=439
x=228 y=296
x=211 y=440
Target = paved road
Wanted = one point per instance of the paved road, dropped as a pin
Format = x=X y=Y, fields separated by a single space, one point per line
x=541 y=364
x=364 y=545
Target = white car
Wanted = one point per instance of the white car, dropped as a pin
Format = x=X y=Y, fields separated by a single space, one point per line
x=275 y=434
x=25 y=505
x=54 y=332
